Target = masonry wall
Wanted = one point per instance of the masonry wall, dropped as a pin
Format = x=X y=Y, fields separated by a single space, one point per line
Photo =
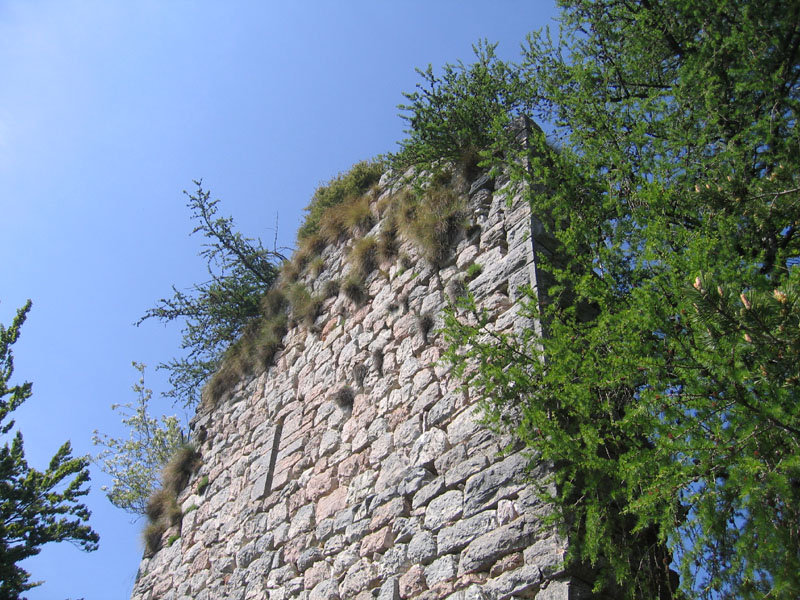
x=400 y=493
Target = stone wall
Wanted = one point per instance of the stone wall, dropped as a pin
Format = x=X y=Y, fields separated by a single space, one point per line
x=355 y=467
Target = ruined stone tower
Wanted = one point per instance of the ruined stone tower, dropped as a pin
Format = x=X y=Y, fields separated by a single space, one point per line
x=355 y=467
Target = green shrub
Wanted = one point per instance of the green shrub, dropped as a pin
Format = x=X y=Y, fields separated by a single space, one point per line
x=473 y=271
x=352 y=184
x=193 y=507
x=172 y=539
x=202 y=485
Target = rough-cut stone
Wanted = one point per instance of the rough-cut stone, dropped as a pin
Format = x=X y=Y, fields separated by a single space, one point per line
x=460 y=534
x=444 y=509
x=392 y=491
x=389 y=512
x=324 y=590
x=412 y=582
x=523 y=581
x=379 y=541
x=422 y=547
x=499 y=481
x=482 y=552
x=390 y=590
x=441 y=570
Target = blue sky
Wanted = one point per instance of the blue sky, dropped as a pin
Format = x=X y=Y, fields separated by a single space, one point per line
x=108 y=110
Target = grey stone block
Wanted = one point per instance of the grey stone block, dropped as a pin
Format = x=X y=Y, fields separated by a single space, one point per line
x=485 y=550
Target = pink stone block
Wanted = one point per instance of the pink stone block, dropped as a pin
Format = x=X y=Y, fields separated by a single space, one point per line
x=412 y=582
x=320 y=485
x=329 y=505
x=377 y=542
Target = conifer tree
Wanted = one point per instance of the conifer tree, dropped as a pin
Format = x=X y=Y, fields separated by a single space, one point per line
x=665 y=389
x=36 y=507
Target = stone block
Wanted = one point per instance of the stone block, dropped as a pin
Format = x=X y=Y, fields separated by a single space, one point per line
x=462 y=470
x=361 y=576
x=441 y=570
x=324 y=590
x=377 y=542
x=390 y=590
x=457 y=536
x=483 y=490
x=316 y=574
x=444 y=509
x=302 y=521
x=320 y=485
x=387 y=513
x=428 y=492
x=485 y=550
x=428 y=447
x=422 y=547
x=329 y=505
x=522 y=582
x=412 y=582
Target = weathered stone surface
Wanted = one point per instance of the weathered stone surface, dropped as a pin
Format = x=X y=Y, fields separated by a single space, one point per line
x=390 y=590
x=324 y=590
x=428 y=492
x=412 y=582
x=389 y=512
x=482 y=552
x=441 y=570
x=395 y=492
x=444 y=509
x=499 y=481
x=523 y=581
x=422 y=547
x=379 y=541
x=361 y=576
x=457 y=536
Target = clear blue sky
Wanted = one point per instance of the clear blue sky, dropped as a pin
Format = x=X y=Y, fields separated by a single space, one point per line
x=108 y=110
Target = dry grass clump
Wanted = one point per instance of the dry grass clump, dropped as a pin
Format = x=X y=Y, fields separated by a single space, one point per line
x=331 y=288
x=360 y=374
x=354 y=288
x=177 y=471
x=305 y=307
x=274 y=302
x=316 y=266
x=345 y=186
x=424 y=324
x=388 y=244
x=344 y=397
x=162 y=508
x=152 y=534
x=377 y=361
x=357 y=214
x=433 y=220
x=456 y=289
x=364 y=256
